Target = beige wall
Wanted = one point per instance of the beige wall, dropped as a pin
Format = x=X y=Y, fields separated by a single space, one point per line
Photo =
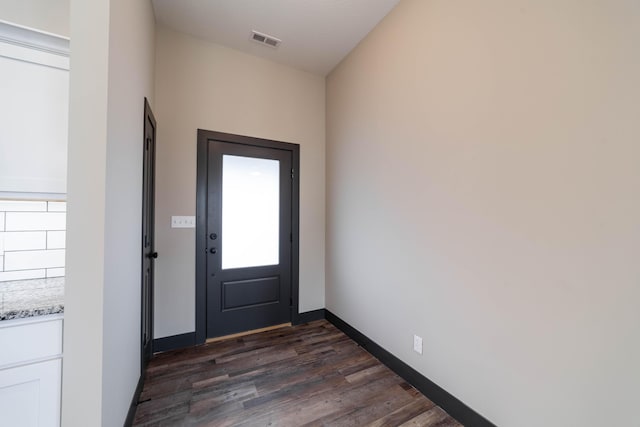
x=206 y=86
x=112 y=64
x=482 y=192
x=51 y=16
x=131 y=79
x=86 y=180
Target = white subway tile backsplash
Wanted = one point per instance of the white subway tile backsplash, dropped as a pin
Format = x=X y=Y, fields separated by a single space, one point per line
x=57 y=206
x=25 y=240
x=27 y=260
x=56 y=239
x=32 y=239
x=35 y=221
x=22 y=206
x=55 y=272
x=21 y=275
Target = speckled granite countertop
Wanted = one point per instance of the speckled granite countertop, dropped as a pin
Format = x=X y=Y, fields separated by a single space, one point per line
x=29 y=298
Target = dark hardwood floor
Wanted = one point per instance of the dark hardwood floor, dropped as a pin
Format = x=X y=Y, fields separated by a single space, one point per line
x=307 y=375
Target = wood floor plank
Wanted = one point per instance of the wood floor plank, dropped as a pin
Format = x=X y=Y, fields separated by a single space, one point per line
x=367 y=410
x=432 y=417
x=403 y=414
x=311 y=375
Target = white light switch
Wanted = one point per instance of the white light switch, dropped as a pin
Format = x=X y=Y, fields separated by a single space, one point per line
x=183 y=222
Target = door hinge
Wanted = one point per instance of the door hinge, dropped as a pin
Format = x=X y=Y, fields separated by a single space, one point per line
x=293 y=175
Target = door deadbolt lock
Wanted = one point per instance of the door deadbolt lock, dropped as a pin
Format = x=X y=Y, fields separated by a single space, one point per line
x=213 y=236
x=213 y=250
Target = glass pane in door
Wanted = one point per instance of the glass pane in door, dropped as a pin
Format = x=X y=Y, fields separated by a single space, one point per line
x=250 y=212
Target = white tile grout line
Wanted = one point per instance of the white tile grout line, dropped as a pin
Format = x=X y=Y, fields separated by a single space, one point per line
x=30 y=231
x=34 y=250
x=32 y=269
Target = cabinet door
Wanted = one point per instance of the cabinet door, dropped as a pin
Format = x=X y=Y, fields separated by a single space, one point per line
x=30 y=395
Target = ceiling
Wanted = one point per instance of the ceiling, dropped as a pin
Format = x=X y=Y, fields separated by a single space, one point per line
x=316 y=34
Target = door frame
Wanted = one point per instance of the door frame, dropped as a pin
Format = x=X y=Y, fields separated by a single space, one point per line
x=204 y=136
x=147 y=353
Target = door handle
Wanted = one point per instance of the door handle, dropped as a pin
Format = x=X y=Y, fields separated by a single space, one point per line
x=153 y=255
x=213 y=250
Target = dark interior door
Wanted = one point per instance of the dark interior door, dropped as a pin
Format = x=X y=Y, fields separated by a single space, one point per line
x=249 y=235
x=148 y=248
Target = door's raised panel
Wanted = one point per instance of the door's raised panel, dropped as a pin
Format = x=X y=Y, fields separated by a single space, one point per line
x=247 y=293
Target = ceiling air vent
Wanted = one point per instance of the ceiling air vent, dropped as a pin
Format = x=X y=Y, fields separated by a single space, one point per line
x=265 y=39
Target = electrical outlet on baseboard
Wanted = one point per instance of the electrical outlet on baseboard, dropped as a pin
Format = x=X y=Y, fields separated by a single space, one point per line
x=417 y=344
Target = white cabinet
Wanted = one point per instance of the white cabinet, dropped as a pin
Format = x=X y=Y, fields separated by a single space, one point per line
x=34 y=70
x=31 y=371
x=30 y=395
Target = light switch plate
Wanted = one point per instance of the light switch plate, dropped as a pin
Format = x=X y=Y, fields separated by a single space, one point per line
x=183 y=222
x=417 y=344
